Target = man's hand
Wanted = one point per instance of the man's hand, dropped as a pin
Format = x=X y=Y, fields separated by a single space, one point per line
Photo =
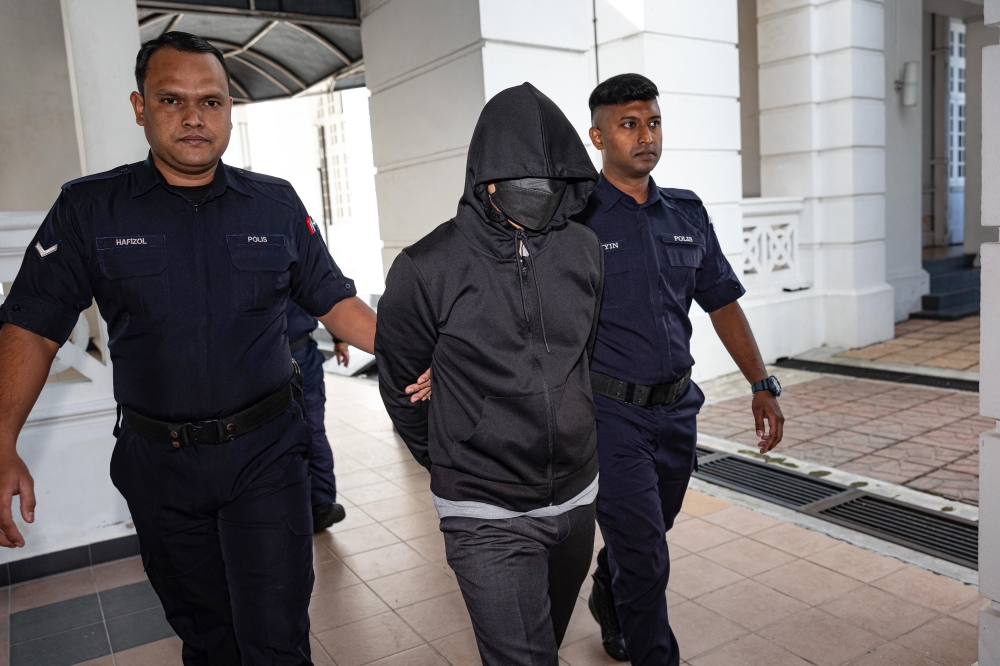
x=343 y=353
x=422 y=389
x=765 y=408
x=15 y=480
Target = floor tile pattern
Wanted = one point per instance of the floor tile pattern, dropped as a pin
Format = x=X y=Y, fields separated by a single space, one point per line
x=921 y=437
x=936 y=344
x=745 y=590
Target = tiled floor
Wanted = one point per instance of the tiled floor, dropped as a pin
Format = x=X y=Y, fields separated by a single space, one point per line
x=745 y=589
x=937 y=344
x=925 y=438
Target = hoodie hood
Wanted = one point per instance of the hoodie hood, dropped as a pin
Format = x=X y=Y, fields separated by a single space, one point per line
x=521 y=133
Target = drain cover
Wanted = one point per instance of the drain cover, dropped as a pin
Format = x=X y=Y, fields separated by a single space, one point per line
x=939 y=534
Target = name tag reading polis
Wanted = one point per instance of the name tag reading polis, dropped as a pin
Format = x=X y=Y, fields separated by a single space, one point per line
x=111 y=242
x=255 y=239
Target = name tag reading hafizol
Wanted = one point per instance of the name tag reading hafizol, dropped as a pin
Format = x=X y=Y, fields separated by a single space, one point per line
x=110 y=242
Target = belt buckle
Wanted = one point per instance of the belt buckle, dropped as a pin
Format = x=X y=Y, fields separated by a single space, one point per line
x=203 y=432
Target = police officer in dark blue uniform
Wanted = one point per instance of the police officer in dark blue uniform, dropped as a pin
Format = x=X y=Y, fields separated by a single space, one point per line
x=191 y=263
x=325 y=509
x=660 y=253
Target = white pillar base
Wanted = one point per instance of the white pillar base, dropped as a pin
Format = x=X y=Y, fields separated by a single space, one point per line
x=907 y=290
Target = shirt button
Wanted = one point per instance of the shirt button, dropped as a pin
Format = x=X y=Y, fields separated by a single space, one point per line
x=124 y=169
x=16 y=308
x=347 y=285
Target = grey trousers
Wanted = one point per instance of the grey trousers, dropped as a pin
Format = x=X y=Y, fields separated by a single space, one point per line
x=520 y=578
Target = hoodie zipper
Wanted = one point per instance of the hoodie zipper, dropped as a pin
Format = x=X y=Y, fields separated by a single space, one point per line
x=519 y=238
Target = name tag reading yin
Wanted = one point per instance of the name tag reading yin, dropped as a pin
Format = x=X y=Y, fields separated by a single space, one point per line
x=260 y=240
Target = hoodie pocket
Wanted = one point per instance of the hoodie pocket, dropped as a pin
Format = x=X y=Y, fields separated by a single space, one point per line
x=576 y=424
x=510 y=443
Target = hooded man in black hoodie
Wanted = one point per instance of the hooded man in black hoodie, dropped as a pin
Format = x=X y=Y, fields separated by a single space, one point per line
x=502 y=302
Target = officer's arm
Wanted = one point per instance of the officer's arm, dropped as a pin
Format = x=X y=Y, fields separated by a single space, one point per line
x=734 y=331
x=352 y=321
x=25 y=358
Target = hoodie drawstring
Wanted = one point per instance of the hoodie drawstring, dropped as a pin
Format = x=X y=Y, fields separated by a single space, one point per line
x=520 y=241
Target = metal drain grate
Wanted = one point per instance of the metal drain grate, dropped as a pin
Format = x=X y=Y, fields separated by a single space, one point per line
x=948 y=537
x=776 y=485
x=939 y=534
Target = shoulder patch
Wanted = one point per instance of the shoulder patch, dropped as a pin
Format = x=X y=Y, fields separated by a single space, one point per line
x=262 y=178
x=104 y=175
x=673 y=193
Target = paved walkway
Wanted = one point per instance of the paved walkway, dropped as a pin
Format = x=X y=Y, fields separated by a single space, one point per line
x=924 y=438
x=922 y=342
x=746 y=589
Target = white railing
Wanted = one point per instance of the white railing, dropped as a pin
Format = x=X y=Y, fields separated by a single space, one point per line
x=80 y=383
x=771 y=242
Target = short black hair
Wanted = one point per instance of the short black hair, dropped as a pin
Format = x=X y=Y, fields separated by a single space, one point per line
x=184 y=42
x=623 y=89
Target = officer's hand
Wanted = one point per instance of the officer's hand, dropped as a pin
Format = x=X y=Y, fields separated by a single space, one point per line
x=765 y=408
x=15 y=480
x=342 y=351
x=422 y=389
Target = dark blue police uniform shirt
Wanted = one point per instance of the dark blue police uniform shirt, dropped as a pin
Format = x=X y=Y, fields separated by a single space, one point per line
x=658 y=256
x=194 y=296
x=300 y=322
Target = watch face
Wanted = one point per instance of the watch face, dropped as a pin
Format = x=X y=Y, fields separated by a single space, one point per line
x=775 y=385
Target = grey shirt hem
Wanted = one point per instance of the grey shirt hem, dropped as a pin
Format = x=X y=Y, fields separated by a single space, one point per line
x=461 y=509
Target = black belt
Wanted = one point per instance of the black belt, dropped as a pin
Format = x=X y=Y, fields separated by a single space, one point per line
x=300 y=343
x=216 y=431
x=636 y=394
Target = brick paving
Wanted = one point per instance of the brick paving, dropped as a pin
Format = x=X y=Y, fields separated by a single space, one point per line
x=924 y=438
x=745 y=589
x=938 y=344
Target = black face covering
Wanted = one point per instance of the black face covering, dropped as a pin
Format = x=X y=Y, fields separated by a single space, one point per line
x=531 y=202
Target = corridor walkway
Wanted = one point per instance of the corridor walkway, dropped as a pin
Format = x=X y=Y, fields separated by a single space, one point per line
x=746 y=589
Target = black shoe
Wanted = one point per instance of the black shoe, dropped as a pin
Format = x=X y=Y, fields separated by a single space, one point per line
x=602 y=607
x=327 y=514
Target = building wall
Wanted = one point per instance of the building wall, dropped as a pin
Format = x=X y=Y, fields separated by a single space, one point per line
x=749 y=98
x=38 y=137
x=989 y=446
x=978 y=36
x=903 y=131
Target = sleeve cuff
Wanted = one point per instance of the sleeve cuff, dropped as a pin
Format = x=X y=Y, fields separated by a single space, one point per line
x=720 y=295
x=330 y=293
x=54 y=322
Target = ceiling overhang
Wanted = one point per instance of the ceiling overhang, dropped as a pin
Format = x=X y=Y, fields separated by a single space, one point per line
x=274 y=48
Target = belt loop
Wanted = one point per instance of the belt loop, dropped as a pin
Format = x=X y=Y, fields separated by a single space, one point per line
x=118 y=420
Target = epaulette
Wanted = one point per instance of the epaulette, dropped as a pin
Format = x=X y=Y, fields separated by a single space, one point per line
x=104 y=175
x=673 y=193
x=262 y=178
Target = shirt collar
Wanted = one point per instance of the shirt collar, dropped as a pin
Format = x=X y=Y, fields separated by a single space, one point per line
x=147 y=176
x=610 y=195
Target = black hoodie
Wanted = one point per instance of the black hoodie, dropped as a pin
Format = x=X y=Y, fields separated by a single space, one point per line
x=511 y=421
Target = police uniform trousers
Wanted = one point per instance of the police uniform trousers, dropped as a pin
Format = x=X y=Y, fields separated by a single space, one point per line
x=225 y=533
x=324 y=485
x=647 y=456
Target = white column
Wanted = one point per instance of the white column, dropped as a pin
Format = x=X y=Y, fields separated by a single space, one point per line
x=102 y=39
x=689 y=50
x=432 y=65
x=989 y=396
x=904 y=271
x=822 y=98
x=977 y=36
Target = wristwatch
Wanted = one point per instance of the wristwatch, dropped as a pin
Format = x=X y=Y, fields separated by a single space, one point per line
x=770 y=384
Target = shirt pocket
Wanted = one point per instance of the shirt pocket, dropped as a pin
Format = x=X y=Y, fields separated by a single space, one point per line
x=261 y=265
x=137 y=269
x=683 y=250
x=618 y=289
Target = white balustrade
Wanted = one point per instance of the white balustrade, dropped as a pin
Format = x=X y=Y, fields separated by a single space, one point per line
x=771 y=243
